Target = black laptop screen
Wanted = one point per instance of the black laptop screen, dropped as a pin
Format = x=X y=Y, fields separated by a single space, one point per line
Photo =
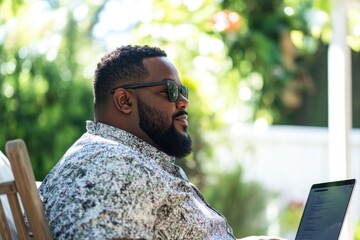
x=325 y=210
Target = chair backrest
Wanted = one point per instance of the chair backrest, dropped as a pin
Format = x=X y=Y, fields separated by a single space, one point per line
x=23 y=186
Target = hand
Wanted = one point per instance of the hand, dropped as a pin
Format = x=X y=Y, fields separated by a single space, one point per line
x=262 y=238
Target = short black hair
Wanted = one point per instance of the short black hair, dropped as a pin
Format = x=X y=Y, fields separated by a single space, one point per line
x=121 y=66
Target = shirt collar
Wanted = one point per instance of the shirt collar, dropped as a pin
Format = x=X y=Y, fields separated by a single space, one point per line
x=128 y=139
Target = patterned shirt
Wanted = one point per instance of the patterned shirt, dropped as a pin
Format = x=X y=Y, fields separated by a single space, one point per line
x=111 y=184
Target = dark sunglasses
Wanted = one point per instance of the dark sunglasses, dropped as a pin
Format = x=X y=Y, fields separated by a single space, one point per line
x=172 y=88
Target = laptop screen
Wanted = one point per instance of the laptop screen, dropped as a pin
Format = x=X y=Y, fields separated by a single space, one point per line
x=325 y=210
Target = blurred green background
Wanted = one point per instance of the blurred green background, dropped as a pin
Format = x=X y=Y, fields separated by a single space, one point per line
x=255 y=61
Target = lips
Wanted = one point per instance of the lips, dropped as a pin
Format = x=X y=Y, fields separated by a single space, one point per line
x=182 y=118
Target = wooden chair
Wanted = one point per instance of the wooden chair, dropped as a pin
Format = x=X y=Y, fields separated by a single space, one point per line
x=23 y=186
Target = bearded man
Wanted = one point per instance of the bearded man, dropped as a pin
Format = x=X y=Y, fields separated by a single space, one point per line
x=119 y=180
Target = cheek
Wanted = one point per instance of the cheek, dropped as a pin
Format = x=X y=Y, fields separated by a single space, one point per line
x=166 y=111
x=168 y=115
x=163 y=116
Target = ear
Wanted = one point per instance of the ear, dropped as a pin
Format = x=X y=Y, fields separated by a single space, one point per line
x=123 y=101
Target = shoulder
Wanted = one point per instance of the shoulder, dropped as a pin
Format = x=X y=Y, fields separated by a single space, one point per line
x=96 y=154
x=102 y=162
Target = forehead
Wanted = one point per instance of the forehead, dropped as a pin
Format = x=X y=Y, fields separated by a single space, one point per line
x=161 y=68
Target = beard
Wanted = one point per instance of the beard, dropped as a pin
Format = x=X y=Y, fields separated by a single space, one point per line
x=170 y=141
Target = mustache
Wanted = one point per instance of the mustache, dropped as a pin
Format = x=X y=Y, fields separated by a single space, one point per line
x=182 y=112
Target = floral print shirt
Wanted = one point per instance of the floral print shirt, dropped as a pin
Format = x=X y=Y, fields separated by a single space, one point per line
x=111 y=184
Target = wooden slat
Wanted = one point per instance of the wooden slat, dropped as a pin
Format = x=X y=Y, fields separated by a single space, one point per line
x=4 y=225
x=17 y=153
x=7 y=187
x=17 y=216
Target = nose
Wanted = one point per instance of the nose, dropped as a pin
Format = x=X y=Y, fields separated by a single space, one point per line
x=182 y=102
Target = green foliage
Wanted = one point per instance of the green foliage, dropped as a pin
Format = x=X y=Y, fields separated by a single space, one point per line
x=243 y=203
x=9 y=8
x=45 y=99
x=357 y=233
x=45 y=110
x=263 y=44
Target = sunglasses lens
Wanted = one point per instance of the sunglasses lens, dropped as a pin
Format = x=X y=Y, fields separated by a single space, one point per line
x=173 y=91
x=184 y=91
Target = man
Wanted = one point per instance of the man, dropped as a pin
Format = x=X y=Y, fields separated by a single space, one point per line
x=119 y=180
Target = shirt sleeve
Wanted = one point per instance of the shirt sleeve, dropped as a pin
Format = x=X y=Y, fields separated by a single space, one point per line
x=184 y=215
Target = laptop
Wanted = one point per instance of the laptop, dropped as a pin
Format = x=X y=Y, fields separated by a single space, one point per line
x=325 y=210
